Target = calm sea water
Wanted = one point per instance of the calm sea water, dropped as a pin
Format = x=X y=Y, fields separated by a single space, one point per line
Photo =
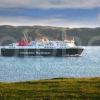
x=35 y=68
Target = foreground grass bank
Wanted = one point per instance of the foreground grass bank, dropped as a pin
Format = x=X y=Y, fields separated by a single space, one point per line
x=54 y=89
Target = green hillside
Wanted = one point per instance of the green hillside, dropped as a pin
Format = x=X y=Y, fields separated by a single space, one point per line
x=83 y=36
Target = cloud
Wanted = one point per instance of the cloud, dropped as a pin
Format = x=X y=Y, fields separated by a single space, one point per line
x=57 y=21
x=46 y=4
x=21 y=20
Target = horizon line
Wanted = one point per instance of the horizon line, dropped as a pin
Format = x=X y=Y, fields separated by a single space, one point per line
x=49 y=26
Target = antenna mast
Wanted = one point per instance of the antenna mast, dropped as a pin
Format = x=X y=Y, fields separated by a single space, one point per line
x=25 y=35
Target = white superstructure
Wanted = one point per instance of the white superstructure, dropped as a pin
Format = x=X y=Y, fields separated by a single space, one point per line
x=45 y=45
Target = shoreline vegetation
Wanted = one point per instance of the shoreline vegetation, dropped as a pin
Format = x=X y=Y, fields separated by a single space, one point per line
x=52 y=89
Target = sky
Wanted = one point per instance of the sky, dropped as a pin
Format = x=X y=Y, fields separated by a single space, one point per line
x=59 y=13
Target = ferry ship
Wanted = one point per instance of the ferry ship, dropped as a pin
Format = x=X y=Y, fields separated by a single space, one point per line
x=41 y=47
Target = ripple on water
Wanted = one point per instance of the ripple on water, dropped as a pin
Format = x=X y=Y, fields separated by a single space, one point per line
x=34 y=68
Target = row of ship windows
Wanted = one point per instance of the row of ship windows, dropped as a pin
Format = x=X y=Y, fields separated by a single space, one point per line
x=49 y=45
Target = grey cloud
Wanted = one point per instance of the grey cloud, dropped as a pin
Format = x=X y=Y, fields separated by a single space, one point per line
x=58 y=22
x=46 y=4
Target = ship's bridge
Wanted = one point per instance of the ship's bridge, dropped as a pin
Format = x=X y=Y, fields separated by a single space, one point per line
x=51 y=44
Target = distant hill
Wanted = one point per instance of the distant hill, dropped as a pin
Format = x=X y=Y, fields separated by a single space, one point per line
x=82 y=36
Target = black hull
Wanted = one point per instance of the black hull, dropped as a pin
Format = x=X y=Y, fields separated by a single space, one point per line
x=41 y=52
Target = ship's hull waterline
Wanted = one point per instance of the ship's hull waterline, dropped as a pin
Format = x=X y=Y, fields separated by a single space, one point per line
x=41 y=52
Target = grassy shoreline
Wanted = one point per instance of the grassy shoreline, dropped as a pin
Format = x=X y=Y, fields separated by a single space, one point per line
x=52 y=89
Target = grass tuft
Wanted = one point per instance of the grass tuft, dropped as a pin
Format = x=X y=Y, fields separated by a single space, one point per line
x=53 y=89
